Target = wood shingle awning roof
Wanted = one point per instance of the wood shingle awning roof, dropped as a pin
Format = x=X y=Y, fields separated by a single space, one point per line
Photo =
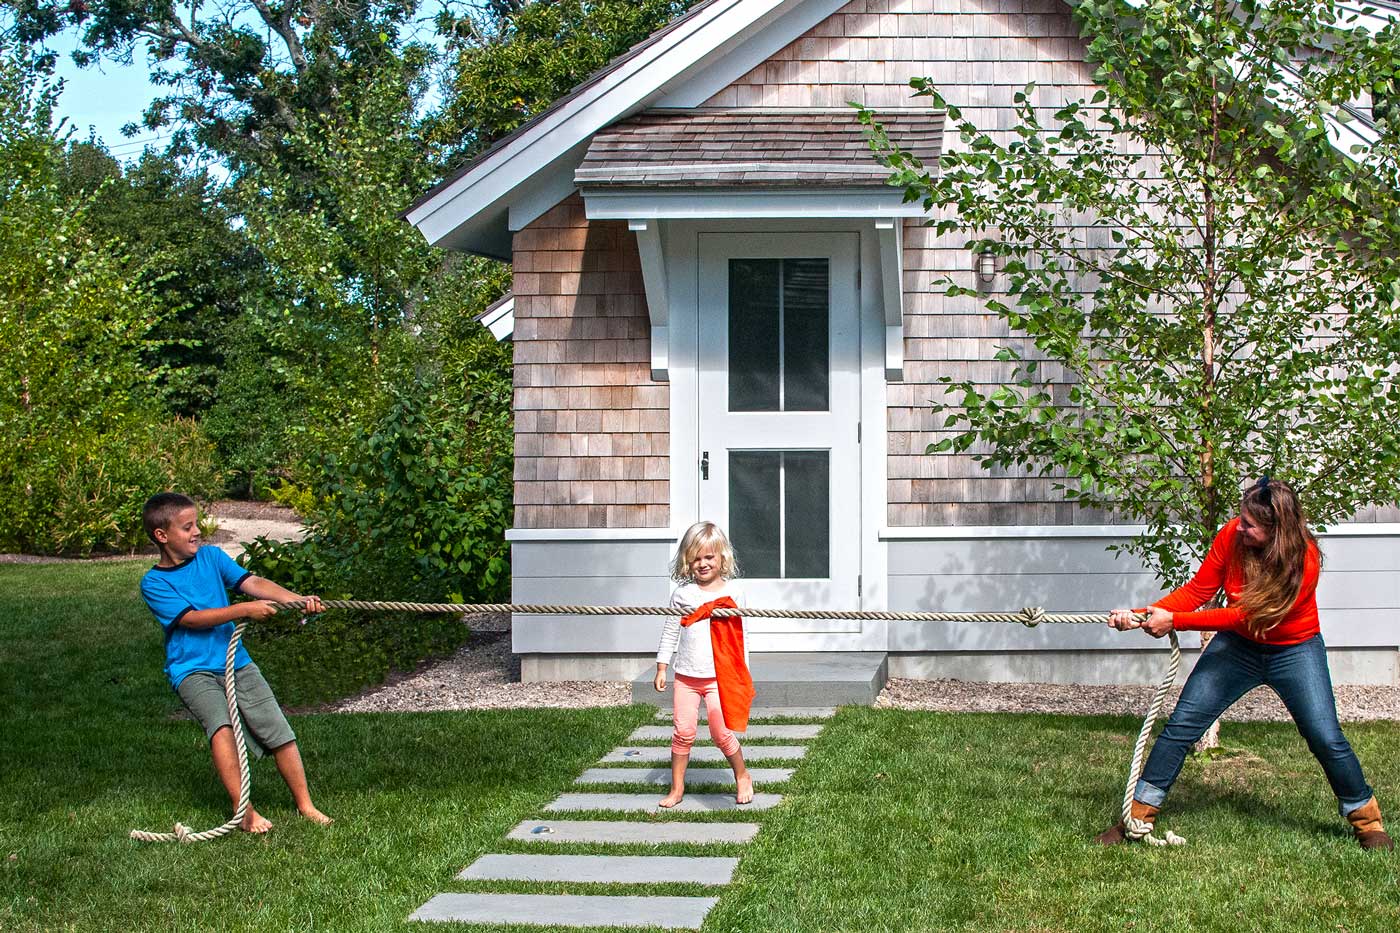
x=721 y=147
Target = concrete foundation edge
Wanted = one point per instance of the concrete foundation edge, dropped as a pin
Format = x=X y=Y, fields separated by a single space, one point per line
x=1349 y=666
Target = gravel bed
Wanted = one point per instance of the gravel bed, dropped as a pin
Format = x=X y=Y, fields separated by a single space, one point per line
x=1355 y=703
x=483 y=674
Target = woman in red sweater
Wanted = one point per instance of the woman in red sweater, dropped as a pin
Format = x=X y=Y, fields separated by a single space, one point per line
x=1267 y=562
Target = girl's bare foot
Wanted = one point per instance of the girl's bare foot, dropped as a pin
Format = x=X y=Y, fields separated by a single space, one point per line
x=255 y=822
x=743 y=784
x=673 y=798
x=316 y=816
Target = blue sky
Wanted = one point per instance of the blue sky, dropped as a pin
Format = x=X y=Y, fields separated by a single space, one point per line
x=105 y=98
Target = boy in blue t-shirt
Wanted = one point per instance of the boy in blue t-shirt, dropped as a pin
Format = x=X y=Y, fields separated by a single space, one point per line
x=188 y=593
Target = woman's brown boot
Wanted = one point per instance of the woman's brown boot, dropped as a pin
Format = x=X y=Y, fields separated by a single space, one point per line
x=1118 y=833
x=1365 y=821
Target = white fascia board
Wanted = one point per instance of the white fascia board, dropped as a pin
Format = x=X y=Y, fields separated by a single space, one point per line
x=747 y=52
x=687 y=204
x=631 y=86
x=500 y=321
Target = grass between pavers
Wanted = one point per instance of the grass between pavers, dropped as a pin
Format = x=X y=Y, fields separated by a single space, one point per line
x=894 y=821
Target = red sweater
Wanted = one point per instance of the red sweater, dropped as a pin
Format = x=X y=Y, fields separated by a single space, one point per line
x=1216 y=572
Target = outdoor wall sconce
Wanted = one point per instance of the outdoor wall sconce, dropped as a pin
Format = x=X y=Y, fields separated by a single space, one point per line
x=986 y=267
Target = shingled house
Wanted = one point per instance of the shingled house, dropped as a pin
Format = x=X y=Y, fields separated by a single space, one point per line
x=722 y=311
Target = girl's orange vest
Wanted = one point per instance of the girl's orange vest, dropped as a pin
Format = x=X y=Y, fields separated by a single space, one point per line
x=736 y=691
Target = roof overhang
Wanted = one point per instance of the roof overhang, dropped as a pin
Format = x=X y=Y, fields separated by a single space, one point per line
x=477 y=209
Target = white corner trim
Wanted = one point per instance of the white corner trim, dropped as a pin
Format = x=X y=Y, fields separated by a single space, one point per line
x=537 y=535
x=932 y=533
x=889 y=232
x=658 y=296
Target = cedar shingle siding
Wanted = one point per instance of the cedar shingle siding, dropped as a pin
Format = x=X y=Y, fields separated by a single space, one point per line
x=591 y=436
x=978 y=53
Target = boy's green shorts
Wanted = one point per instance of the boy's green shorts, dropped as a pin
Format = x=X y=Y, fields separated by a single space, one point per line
x=264 y=727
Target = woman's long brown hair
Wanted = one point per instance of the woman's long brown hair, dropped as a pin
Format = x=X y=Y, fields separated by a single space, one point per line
x=1273 y=574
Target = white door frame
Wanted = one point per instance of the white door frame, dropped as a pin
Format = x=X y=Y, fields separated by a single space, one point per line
x=681 y=248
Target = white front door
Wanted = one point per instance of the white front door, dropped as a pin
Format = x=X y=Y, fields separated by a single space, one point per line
x=779 y=410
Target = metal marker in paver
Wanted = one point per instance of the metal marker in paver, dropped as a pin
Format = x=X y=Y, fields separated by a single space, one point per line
x=632 y=832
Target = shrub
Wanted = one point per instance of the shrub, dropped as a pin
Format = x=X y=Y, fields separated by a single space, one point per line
x=80 y=490
x=415 y=508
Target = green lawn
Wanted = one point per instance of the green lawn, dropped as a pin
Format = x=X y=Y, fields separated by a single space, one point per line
x=895 y=821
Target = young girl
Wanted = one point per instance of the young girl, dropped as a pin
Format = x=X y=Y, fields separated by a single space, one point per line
x=704 y=567
x=1267 y=562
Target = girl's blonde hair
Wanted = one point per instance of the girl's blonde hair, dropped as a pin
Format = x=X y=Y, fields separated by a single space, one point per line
x=697 y=537
x=1273 y=573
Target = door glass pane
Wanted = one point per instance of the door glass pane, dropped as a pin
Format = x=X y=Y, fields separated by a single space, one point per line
x=754 y=377
x=806 y=514
x=780 y=512
x=806 y=327
x=754 y=517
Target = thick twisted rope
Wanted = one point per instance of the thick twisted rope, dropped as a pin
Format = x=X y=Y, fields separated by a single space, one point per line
x=1030 y=617
x=1134 y=828
x=182 y=832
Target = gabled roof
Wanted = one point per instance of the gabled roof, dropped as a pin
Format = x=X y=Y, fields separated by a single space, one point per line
x=717 y=147
x=683 y=63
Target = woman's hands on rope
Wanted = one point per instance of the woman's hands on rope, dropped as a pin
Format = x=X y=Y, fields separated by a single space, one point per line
x=1157 y=623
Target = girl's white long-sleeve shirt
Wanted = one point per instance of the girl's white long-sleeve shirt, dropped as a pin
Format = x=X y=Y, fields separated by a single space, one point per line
x=694 y=655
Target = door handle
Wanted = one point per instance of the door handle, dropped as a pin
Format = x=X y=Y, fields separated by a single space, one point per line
x=705 y=465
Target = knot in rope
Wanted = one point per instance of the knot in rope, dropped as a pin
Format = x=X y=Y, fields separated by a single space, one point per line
x=183 y=832
x=1031 y=616
x=1141 y=831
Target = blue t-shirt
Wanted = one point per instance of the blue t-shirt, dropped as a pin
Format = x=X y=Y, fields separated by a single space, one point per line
x=202 y=582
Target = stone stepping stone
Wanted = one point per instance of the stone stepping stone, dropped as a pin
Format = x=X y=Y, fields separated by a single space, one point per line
x=769 y=712
x=639 y=753
x=602 y=869
x=632 y=832
x=575 y=910
x=692 y=776
x=646 y=803
x=794 y=732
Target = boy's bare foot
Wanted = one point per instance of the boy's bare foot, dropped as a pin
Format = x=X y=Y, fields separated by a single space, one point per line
x=673 y=798
x=743 y=784
x=255 y=822
x=316 y=816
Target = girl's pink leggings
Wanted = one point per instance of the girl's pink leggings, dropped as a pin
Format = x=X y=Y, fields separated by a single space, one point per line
x=688 y=692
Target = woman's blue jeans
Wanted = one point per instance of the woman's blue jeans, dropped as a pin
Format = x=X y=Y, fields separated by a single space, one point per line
x=1229 y=668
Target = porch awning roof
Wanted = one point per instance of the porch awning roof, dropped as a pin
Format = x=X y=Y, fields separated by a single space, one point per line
x=741 y=147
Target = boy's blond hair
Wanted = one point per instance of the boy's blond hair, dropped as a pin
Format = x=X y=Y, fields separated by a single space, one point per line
x=697 y=537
